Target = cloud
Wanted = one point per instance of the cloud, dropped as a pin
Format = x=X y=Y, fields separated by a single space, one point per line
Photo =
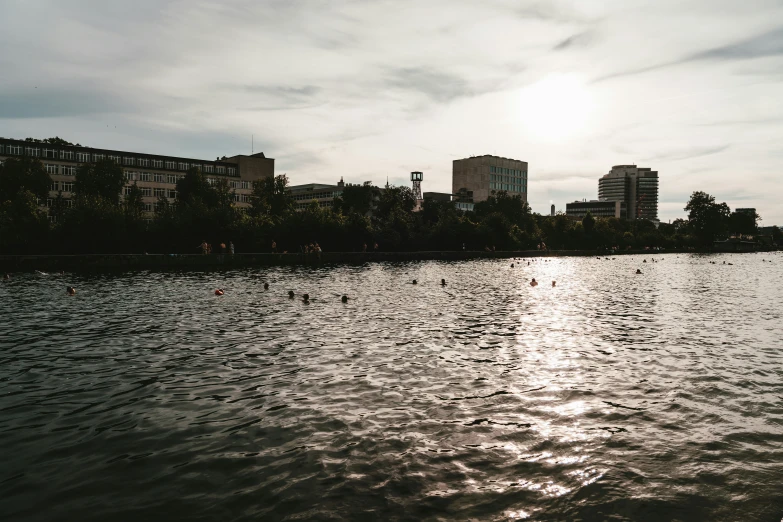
x=438 y=86
x=49 y=102
x=760 y=46
x=688 y=153
x=583 y=39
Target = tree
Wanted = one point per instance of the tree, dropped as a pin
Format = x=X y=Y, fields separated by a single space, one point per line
x=745 y=223
x=134 y=204
x=355 y=198
x=193 y=189
x=23 y=174
x=271 y=197
x=23 y=226
x=588 y=222
x=103 y=179
x=708 y=219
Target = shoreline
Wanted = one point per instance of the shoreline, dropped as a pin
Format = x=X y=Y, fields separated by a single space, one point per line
x=98 y=262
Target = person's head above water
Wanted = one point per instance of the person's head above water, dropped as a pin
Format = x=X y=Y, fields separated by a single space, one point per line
x=638 y=271
x=306 y=297
x=443 y=282
x=266 y=286
x=219 y=291
x=344 y=299
x=70 y=290
x=414 y=281
x=291 y=294
x=554 y=283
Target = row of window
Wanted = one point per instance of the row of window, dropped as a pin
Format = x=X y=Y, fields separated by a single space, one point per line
x=507 y=179
x=510 y=187
x=315 y=195
x=50 y=202
x=86 y=157
x=506 y=172
x=65 y=186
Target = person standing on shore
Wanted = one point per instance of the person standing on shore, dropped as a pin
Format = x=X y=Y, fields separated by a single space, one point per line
x=274 y=246
x=230 y=247
x=203 y=247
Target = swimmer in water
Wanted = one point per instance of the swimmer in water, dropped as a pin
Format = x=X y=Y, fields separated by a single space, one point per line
x=554 y=283
x=638 y=271
x=70 y=290
x=6 y=277
x=219 y=291
x=442 y=282
x=290 y=294
x=266 y=286
x=306 y=298
x=415 y=282
x=533 y=282
x=344 y=299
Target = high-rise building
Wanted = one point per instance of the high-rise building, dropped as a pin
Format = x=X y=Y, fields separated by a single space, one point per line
x=637 y=187
x=483 y=175
x=155 y=175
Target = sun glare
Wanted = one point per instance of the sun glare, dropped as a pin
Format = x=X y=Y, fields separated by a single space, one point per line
x=556 y=107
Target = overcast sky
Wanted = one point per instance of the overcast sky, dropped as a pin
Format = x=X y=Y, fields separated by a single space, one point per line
x=365 y=90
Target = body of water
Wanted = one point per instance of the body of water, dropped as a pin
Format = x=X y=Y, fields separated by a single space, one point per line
x=612 y=396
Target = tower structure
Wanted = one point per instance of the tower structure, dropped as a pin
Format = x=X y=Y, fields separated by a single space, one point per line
x=416 y=178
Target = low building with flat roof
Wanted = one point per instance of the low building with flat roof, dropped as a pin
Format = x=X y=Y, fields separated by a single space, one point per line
x=156 y=175
x=579 y=209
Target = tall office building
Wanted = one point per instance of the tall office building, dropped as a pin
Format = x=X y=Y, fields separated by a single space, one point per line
x=634 y=186
x=474 y=179
x=155 y=175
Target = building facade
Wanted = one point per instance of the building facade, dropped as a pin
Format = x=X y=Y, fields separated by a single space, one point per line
x=578 y=209
x=483 y=175
x=324 y=194
x=155 y=175
x=637 y=187
x=464 y=206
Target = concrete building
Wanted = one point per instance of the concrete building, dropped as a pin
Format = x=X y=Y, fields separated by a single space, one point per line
x=637 y=187
x=155 y=175
x=751 y=211
x=324 y=194
x=477 y=177
x=464 y=206
x=578 y=209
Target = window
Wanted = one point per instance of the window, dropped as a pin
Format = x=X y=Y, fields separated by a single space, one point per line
x=195 y=166
x=1 y=148
x=14 y=150
x=221 y=169
x=157 y=164
x=66 y=170
x=127 y=190
x=51 y=169
x=83 y=157
x=146 y=191
x=55 y=186
x=209 y=169
x=49 y=153
x=68 y=203
x=144 y=162
x=171 y=179
x=66 y=155
x=172 y=194
x=241 y=198
x=115 y=159
x=145 y=176
x=148 y=207
x=67 y=186
x=159 y=192
x=170 y=165
x=183 y=166
x=32 y=151
x=159 y=178
x=232 y=171
x=127 y=160
x=98 y=157
x=130 y=175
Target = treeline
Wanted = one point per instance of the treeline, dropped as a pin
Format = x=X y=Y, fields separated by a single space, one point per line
x=101 y=219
